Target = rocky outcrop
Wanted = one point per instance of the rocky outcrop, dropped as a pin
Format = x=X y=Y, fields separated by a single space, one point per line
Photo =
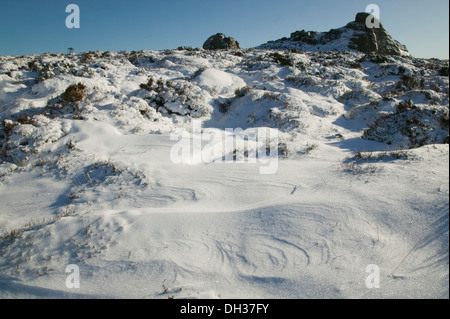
x=220 y=41
x=373 y=40
x=364 y=34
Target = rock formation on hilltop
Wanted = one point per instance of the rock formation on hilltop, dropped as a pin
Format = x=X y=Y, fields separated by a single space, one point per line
x=220 y=41
x=373 y=40
x=356 y=35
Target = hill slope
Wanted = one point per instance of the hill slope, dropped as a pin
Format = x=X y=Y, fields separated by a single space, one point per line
x=88 y=175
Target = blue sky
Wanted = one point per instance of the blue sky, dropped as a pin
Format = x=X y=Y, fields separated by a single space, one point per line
x=38 y=26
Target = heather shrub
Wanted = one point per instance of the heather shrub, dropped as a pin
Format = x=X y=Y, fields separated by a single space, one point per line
x=241 y=92
x=405 y=106
x=283 y=60
x=410 y=82
x=75 y=93
x=444 y=71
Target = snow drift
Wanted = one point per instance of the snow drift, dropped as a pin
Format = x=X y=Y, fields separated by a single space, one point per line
x=362 y=176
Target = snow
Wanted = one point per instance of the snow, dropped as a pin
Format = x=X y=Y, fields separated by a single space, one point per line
x=96 y=183
x=224 y=83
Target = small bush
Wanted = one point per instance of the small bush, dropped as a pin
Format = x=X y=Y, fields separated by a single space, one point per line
x=375 y=103
x=8 y=126
x=296 y=51
x=444 y=120
x=283 y=60
x=25 y=119
x=283 y=150
x=399 y=155
x=87 y=57
x=75 y=93
x=366 y=157
x=356 y=168
x=331 y=63
x=3 y=152
x=356 y=65
x=241 y=92
x=379 y=59
x=410 y=82
x=34 y=66
x=224 y=105
x=391 y=95
x=71 y=145
x=444 y=71
x=310 y=147
x=405 y=106
x=435 y=87
x=139 y=58
x=148 y=86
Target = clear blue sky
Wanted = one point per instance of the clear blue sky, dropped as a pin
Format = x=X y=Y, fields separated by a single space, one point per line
x=38 y=26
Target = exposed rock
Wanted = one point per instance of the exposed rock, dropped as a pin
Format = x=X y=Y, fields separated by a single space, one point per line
x=304 y=36
x=220 y=41
x=373 y=40
x=357 y=35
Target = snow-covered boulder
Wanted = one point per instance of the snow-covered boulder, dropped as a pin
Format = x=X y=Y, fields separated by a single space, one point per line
x=219 y=81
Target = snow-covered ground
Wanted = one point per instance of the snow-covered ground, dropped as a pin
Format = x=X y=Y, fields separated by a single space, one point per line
x=361 y=175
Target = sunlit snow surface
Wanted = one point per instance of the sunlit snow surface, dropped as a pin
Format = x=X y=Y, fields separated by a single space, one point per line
x=97 y=186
